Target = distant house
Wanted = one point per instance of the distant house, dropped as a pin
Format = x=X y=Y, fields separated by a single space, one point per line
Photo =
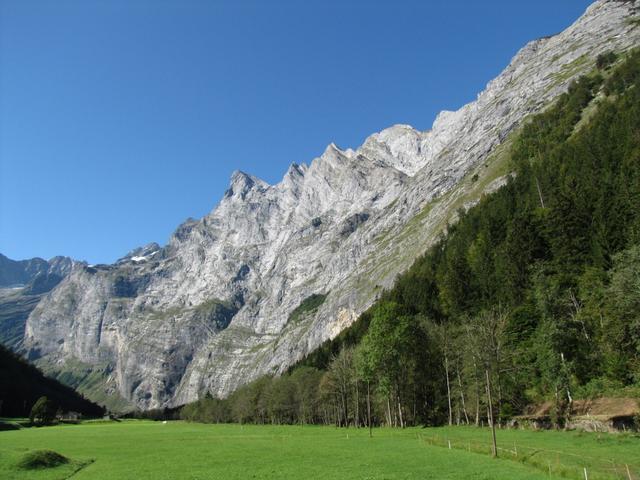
x=70 y=417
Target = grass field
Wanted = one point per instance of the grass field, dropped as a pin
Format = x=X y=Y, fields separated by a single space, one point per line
x=565 y=453
x=177 y=450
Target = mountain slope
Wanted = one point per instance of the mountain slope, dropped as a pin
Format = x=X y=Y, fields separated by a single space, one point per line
x=215 y=307
x=534 y=289
x=22 y=384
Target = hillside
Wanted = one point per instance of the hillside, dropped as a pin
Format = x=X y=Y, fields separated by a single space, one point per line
x=275 y=270
x=21 y=384
x=531 y=296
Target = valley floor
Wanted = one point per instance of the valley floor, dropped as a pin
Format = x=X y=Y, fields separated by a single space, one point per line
x=178 y=450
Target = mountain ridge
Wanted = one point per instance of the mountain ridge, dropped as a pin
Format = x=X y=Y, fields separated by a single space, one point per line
x=17 y=273
x=211 y=309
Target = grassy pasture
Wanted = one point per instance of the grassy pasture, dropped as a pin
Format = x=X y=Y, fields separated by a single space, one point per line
x=567 y=454
x=177 y=450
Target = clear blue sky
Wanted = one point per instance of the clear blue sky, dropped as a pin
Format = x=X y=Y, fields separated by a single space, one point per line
x=120 y=119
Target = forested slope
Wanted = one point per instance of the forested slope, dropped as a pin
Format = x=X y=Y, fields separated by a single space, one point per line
x=534 y=291
x=21 y=384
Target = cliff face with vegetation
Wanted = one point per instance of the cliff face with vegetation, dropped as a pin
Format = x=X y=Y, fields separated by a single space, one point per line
x=532 y=296
x=275 y=270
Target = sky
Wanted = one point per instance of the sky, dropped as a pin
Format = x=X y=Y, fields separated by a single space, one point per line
x=121 y=119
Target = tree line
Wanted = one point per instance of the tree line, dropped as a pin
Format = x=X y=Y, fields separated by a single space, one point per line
x=533 y=295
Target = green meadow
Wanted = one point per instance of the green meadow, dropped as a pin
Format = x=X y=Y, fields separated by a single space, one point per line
x=178 y=450
x=564 y=453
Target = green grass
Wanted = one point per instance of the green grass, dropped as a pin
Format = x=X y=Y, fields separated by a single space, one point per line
x=571 y=69
x=567 y=453
x=177 y=450
x=46 y=464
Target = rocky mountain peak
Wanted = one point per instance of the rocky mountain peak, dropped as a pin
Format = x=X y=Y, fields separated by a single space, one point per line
x=399 y=146
x=15 y=273
x=141 y=254
x=242 y=183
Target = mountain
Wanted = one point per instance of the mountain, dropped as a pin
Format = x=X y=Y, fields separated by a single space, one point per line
x=38 y=274
x=275 y=270
x=532 y=295
x=21 y=384
x=22 y=285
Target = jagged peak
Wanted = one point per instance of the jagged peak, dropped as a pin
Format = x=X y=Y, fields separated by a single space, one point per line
x=398 y=146
x=238 y=177
x=60 y=258
x=64 y=263
x=294 y=177
x=184 y=230
x=390 y=134
x=446 y=118
x=241 y=183
x=397 y=129
x=142 y=253
x=296 y=170
x=331 y=153
x=332 y=148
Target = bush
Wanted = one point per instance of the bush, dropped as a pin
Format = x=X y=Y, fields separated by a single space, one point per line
x=605 y=60
x=42 y=459
x=600 y=387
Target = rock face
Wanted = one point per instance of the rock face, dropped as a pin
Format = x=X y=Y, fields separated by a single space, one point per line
x=22 y=285
x=274 y=270
x=15 y=274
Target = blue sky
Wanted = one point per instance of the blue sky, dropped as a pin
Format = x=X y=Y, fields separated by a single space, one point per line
x=120 y=119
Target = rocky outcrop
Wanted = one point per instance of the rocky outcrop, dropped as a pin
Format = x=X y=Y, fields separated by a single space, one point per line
x=604 y=414
x=213 y=308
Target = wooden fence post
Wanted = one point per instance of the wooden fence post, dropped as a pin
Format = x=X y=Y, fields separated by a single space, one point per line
x=493 y=423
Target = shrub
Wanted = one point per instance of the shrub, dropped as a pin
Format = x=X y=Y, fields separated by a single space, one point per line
x=605 y=60
x=42 y=459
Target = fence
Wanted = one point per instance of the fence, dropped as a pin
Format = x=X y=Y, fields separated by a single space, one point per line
x=555 y=462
